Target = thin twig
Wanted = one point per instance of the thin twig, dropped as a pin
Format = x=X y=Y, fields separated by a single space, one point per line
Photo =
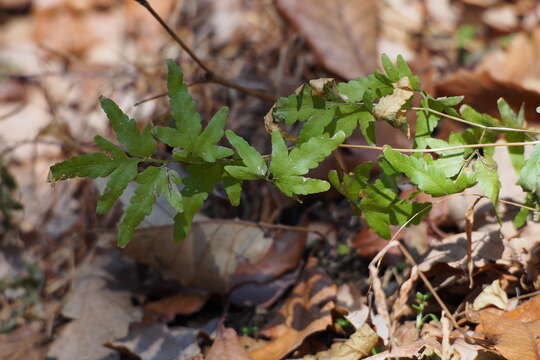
x=209 y=76
x=521 y=206
x=154 y=97
x=493 y=128
x=447 y=148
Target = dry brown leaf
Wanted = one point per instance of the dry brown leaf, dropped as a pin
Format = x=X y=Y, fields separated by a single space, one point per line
x=356 y=347
x=401 y=305
x=218 y=255
x=368 y=243
x=358 y=318
x=515 y=334
x=179 y=304
x=526 y=250
x=389 y=106
x=342 y=33
x=513 y=74
x=492 y=294
x=503 y=18
x=158 y=341
x=148 y=33
x=406 y=333
x=227 y=347
x=101 y=308
x=381 y=320
x=527 y=311
x=513 y=339
x=465 y=350
x=481 y=90
x=78 y=28
x=305 y=312
x=486 y=247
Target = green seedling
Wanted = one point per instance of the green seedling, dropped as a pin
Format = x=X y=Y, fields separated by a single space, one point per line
x=420 y=306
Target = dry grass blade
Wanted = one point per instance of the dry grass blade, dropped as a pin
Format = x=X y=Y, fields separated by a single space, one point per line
x=469 y=223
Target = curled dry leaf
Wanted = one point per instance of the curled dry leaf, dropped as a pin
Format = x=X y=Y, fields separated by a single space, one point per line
x=305 y=312
x=342 y=33
x=356 y=347
x=401 y=305
x=381 y=320
x=494 y=295
x=389 y=106
x=219 y=255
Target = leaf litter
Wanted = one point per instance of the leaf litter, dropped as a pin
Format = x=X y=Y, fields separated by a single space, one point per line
x=251 y=264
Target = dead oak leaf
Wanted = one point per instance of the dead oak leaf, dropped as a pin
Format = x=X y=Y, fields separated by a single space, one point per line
x=100 y=305
x=514 y=334
x=492 y=294
x=305 y=312
x=159 y=341
x=342 y=33
x=356 y=347
x=219 y=255
x=513 y=339
x=512 y=73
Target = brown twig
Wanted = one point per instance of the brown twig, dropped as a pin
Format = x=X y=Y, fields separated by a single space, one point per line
x=209 y=75
x=154 y=97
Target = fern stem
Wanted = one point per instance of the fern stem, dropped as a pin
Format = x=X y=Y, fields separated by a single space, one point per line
x=493 y=128
x=447 y=148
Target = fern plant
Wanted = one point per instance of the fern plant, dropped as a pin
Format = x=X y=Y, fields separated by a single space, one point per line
x=328 y=114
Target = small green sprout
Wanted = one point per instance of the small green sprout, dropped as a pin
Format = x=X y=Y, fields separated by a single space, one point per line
x=421 y=303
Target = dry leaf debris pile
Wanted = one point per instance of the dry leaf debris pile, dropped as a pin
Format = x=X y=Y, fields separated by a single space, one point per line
x=241 y=289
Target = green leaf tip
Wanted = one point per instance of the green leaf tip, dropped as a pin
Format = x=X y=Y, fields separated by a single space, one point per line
x=137 y=143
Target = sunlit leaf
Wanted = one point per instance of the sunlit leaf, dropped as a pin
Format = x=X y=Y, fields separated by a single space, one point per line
x=429 y=179
x=118 y=181
x=251 y=157
x=137 y=143
x=90 y=165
